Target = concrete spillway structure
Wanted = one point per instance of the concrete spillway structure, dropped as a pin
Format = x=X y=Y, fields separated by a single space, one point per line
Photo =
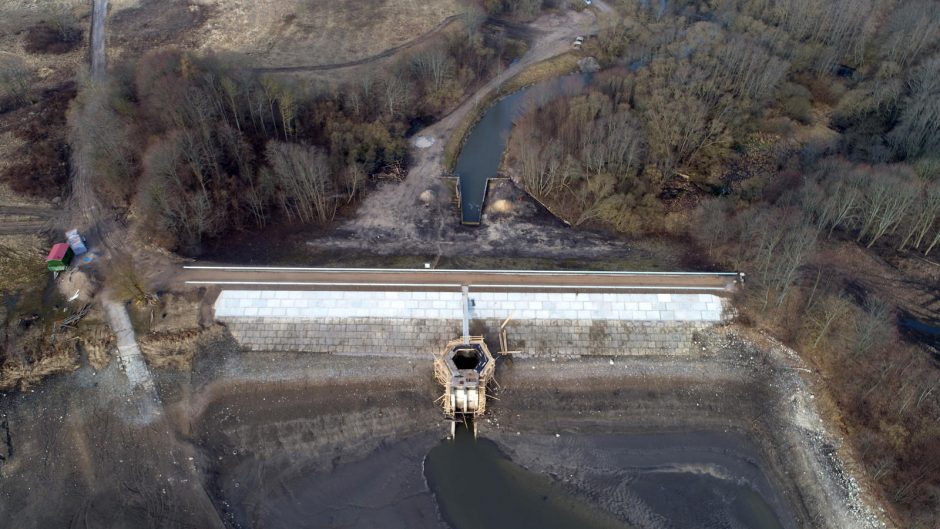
x=464 y=367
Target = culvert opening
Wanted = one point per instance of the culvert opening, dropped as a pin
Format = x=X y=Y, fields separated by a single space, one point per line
x=467 y=358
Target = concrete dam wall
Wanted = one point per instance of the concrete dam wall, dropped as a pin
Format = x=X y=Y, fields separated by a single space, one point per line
x=419 y=323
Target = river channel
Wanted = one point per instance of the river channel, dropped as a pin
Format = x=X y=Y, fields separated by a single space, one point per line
x=482 y=153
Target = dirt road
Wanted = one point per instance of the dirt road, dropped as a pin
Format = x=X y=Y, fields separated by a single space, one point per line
x=365 y=60
x=15 y=220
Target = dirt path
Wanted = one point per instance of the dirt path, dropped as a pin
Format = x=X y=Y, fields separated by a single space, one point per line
x=98 y=55
x=16 y=220
x=359 y=62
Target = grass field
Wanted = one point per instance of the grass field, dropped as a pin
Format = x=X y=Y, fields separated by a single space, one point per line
x=280 y=33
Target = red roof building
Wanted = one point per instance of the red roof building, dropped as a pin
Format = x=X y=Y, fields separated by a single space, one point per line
x=59 y=257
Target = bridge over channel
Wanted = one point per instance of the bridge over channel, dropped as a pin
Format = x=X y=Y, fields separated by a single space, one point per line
x=413 y=312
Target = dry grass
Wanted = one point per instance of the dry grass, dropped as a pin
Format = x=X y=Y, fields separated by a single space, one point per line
x=312 y=32
x=98 y=347
x=22 y=266
x=62 y=359
x=540 y=71
x=176 y=349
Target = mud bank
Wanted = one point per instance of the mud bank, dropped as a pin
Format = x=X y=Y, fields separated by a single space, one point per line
x=267 y=440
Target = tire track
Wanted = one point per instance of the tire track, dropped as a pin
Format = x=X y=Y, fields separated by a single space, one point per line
x=359 y=62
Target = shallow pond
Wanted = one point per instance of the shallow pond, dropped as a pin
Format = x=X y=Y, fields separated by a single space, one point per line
x=668 y=480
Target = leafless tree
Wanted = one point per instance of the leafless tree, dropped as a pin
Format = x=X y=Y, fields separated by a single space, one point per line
x=473 y=19
x=181 y=209
x=911 y=28
x=353 y=178
x=924 y=217
x=918 y=131
x=873 y=328
x=886 y=200
x=832 y=310
x=433 y=67
x=395 y=94
x=679 y=126
x=301 y=174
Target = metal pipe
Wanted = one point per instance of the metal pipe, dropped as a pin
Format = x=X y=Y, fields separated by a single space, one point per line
x=466 y=313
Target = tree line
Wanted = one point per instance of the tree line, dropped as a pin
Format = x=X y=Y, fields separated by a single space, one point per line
x=792 y=140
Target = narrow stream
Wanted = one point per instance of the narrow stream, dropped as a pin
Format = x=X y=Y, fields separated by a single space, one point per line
x=482 y=153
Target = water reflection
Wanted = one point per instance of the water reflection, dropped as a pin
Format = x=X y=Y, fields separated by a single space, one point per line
x=657 y=480
x=477 y=486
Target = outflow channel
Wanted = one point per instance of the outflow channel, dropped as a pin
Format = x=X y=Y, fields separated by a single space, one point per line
x=482 y=153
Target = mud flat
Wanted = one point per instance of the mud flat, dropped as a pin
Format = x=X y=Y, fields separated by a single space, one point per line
x=728 y=438
x=301 y=440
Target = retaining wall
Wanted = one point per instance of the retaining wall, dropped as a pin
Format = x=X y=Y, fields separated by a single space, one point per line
x=419 y=323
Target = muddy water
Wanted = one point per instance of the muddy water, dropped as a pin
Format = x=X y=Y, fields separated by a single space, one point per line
x=659 y=480
x=483 y=151
x=476 y=485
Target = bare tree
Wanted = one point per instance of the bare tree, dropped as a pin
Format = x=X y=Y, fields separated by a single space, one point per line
x=886 y=199
x=395 y=94
x=301 y=174
x=912 y=27
x=918 y=131
x=924 y=217
x=832 y=310
x=873 y=327
x=679 y=126
x=473 y=19
x=182 y=209
x=353 y=178
x=433 y=67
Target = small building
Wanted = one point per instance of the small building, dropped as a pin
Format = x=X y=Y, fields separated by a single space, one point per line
x=76 y=242
x=59 y=257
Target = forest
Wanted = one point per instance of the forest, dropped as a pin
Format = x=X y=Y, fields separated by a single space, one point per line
x=198 y=146
x=797 y=140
